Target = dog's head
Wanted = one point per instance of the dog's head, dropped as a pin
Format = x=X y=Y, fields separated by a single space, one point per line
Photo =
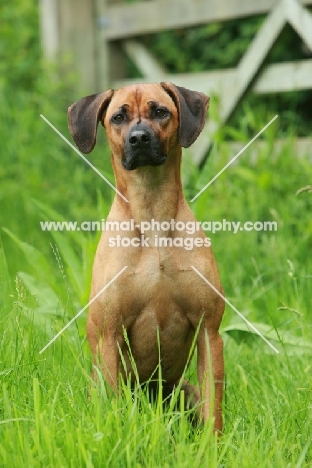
x=143 y=122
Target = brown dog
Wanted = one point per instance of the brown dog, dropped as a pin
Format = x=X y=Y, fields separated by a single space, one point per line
x=158 y=301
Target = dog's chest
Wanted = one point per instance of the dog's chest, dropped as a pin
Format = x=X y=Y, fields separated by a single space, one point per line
x=159 y=284
x=163 y=285
x=156 y=305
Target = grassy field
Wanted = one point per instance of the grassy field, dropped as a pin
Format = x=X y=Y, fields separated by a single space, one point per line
x=46 y=418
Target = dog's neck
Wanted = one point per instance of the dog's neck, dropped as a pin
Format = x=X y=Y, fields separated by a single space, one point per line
x=153 y=192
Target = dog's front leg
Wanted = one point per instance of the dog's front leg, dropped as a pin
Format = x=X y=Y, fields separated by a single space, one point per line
x=108 y=354
x=210 y=369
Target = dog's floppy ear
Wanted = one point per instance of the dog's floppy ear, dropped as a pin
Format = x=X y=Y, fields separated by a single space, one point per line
x=84 y=116
x=192 y=107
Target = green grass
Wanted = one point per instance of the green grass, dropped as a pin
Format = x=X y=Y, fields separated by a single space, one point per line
x=47 y=419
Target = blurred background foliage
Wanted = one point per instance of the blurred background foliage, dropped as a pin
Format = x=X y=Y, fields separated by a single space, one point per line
x=37 y=166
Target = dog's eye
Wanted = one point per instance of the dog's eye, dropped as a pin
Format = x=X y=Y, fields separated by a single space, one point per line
x=161 y=112
x=118 y=118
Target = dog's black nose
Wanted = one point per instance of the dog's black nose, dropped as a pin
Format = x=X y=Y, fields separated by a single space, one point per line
x=139 y=138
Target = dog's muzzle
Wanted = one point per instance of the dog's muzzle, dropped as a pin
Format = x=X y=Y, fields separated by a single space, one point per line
x=142 y=148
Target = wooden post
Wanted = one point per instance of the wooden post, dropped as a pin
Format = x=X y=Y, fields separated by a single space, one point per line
x=77 y=39
x=101 y=48
x=109 y=56
x=48 y=12
x=67 y=37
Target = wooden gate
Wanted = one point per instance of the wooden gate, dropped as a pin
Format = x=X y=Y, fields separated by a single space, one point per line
x=97 y=34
